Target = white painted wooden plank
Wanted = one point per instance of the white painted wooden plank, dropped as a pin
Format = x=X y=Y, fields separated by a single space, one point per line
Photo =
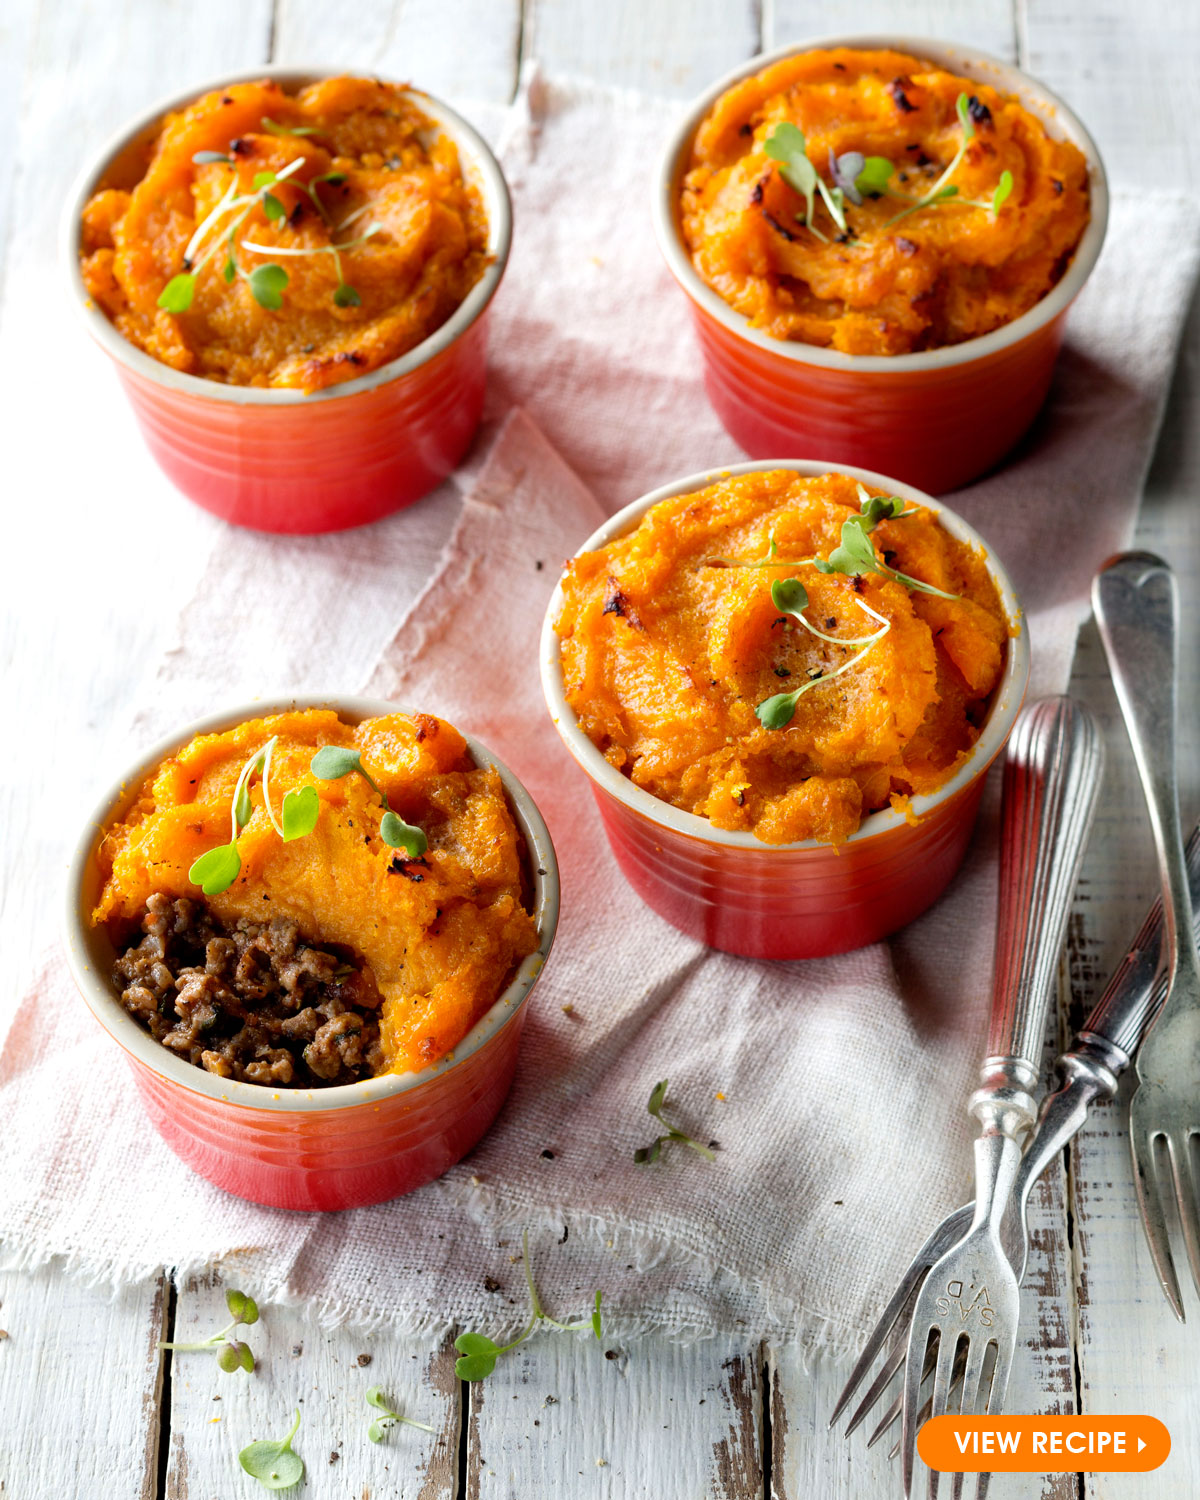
x=987 y=24
x=1133 y=1355
x=326 y=1377
x=463 y=52
x=16 y=32
x=561 y=1416
x=79 y=1388
x=1129 y=73
x=810 y=1460
x=672 y=47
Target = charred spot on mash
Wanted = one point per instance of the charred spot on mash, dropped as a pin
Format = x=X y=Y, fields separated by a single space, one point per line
x=756 y=196
x=240 y=146
x=777 y=226
x=979 y=111
x=899 y=98
x=409 y=868
x=427 y=727
x=616 y=602
x=1057 y=186
x=745 y=129
x=905 y=247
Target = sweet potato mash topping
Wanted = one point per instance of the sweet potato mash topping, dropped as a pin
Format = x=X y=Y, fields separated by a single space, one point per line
x=438 y=936
x=882 y=128
x=305 y=239
x=671 y=641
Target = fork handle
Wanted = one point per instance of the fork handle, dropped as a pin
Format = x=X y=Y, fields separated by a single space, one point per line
x=1136 y=603
x=1051 y=779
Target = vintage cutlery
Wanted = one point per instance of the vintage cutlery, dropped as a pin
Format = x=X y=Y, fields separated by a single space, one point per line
x=1137 y=611
x=1103 y=1049
x=969 y=1303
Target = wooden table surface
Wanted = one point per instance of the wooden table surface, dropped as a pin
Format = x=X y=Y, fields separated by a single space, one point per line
x=88 y=1407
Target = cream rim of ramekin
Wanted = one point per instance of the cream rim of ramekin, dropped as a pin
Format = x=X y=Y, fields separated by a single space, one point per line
x=89 y=949
x=479 y=167
x=1059 y=120
x=1006 y=700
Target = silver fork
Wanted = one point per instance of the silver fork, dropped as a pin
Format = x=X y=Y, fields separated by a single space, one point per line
x=970 y=1299
x=1102 y=1050
x=1137 y=610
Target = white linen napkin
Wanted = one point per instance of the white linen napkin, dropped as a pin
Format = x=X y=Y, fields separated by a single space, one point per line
x=835 y=1088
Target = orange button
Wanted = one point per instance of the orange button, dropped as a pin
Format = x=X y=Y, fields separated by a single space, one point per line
x=1044 y=1445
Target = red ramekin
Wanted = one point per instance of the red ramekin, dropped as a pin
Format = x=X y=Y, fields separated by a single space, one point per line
x=280 y=460
x=937 y=419
x=807 y=899
x=331 y=1148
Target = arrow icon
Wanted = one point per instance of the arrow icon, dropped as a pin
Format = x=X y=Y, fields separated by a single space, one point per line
x=1141 y=1445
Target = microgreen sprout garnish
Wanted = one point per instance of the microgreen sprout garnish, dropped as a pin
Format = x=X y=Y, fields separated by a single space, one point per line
x=479 y=1353
x=943 y=189
x=856 y=176
x=787 y=146
x=332 y=762
x=273 y=127
x=232 y=1354
x=381 y=1423
x=275 y=1465
x=876 y=508
x=790 y=597
x=658 y=1097
x=856 y=555
x=267 y=283
x=217 y=869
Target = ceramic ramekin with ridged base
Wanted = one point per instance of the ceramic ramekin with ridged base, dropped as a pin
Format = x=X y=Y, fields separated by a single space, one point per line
x=936 y=419
x=808 y=899
x=280 y=460
x=332 y=1148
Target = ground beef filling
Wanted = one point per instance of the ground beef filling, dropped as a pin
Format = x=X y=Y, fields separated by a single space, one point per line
x=254 y=1002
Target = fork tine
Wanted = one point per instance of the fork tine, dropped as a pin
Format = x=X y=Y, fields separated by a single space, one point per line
x=1000 y=1373
x=900 y=1306
x=910 y=1420
x=881 y=1382
x=972 y=1377
x=1182 y=1169
x=1154 y=1222
x=889 y=1416
x=943 y=1378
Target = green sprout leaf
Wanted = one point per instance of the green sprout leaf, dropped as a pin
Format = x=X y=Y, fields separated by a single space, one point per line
x=789 y=596
x=1003 y=189
x=301 y=808
x=232 y=1354
x=242 y=1309
x=658 y=1097
x=380 y=1425
x=855 y=555
x=243 y=807
x=274 y=1465
x=332 y=762
x=217 y=869
x=176 y=296
x=346 y=296
x=273 y=208
x=962 y=106
x=597 y=1327
x=875 y=175
x=478 y=1353
x=397 y=834
x=229 y=271
x=264 y=179
x=267 y=284
x=272 y=127
x=202 y=158
x=776 y=713
x=786 y=145
x=876 y=508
